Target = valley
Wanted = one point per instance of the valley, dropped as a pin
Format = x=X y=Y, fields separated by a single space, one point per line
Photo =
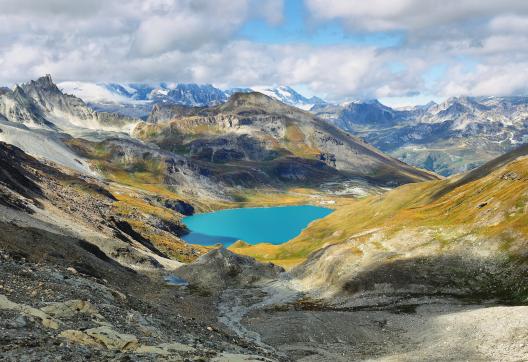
x=398 y=263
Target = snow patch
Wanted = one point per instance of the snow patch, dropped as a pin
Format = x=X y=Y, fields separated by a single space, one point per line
x=92 y=93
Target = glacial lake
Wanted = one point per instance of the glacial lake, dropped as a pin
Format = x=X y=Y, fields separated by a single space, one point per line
x=274 y=225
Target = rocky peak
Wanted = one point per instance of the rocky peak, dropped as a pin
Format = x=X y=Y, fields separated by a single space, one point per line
x=43 y=85
x=45 y=81
x=18 y=91
x=17 y=106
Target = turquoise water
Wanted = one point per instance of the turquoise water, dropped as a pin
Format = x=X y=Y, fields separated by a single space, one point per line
x=274 y=225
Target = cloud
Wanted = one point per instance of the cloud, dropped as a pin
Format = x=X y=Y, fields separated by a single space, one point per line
x=187 y=25
x=383 y=15
x=479 y=45
x=486 y=80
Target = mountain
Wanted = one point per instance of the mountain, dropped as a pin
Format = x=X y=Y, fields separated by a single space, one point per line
x=41 y=105
x=438 y=228
x=249 y=141
x=136 y=100
x=454 y=136
x=447 y=138
x=39 y=118
x=357 y=115
x=254 y=139
x=291 y=97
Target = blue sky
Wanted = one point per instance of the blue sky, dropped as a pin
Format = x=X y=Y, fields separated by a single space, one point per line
x=297 y=27
x=400 y=51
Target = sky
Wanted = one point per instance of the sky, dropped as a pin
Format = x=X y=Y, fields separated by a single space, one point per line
x=403 y=52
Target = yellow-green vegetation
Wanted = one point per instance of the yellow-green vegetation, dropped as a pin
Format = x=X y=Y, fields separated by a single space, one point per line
x=494 y=207
x=296 y=143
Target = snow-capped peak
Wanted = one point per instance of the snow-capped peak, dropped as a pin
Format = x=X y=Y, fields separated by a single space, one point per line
x=288 y=95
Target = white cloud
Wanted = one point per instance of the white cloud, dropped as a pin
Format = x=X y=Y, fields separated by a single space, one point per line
x=380 y=15
x=196 y=41
x=495 y=79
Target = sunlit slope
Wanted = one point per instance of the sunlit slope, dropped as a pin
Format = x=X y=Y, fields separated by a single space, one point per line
x=489 y=204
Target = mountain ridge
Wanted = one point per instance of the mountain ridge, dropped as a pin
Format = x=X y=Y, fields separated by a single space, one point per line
x=138 y=98
x=275 y=126
x=454 y=136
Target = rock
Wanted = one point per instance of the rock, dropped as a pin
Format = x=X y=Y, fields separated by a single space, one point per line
x=511 y=175
x=166 y=349
x=112 y=339
x=102 y=336
x=105 y=337
x=76 y=336
x=46 y=320
x=71 y=308
x=221 y=268
x=232 y=357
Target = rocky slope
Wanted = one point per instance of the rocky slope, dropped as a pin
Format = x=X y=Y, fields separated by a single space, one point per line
x=82 y=281
x=480 y=214
x=428 y=271
x=454 y=136
x=465 y=237
x=253 y=139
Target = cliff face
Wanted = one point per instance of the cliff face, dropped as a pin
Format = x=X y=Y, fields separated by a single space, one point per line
x=40 y=104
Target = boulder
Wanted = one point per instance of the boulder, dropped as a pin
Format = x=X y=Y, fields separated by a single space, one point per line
x=220 y=269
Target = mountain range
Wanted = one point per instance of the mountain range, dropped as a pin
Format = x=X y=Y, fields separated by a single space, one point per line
x=454 y=136
x=136 y=99
x=448 y=138
x=248 y=132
